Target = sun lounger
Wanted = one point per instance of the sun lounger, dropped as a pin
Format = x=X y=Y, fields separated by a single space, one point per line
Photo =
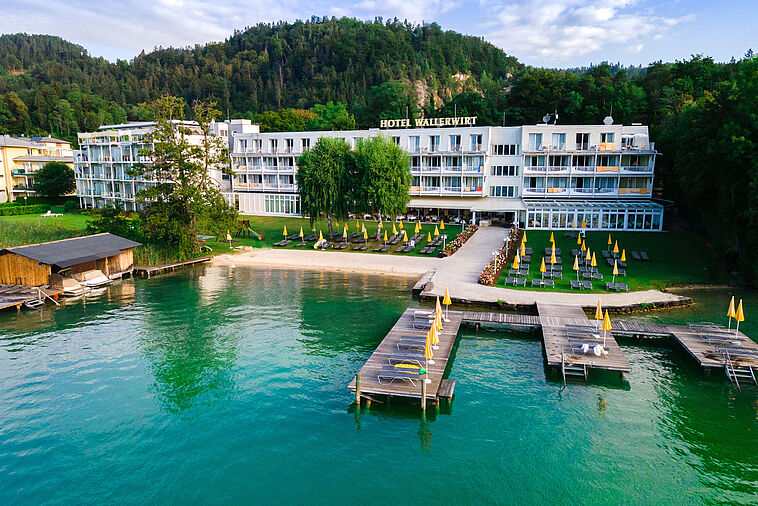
x=513 y=272
x=283 y=242
x=526 y=259
x=597 y=275
x=549 y=251
x=636 y=256
x=643 y=255
x=520 y=282
x=510 y=281
x=576 y=284
x=548 y=283
x=528 y=251
x=407 y=357
x=536 y=283
x=523 y=272
x=609 y=261
x=390 y=373
x=622 y=287
x=575 y=252
x=586 y=285
x=310 y=238
x=382 y=248
x=606 y=253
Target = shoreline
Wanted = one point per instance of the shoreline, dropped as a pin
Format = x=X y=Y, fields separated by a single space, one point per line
x=449 y=272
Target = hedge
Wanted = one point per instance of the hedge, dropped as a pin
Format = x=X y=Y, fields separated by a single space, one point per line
x=16 y=210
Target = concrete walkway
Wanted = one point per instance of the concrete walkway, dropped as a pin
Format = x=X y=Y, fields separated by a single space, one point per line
x=460 y=274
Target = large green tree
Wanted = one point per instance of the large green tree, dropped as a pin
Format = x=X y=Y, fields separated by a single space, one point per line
x=322 y=180
x=54 y=179
x=381 y=176
x=185 y=195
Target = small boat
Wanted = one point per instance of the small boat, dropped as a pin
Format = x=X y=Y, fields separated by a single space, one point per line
x=72 y=288
x=94 y=278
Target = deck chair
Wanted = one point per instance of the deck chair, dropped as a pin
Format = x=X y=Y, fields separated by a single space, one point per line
x=520 y=282
x=389 y=374
x=536 y=283
x=644 y=256
x=407 y=357
x=636 y=256
x=576 y=284
x=548 y=283
x=586 y=285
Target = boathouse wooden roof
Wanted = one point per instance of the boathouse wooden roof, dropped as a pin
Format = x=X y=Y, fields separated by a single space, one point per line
x=77 y=250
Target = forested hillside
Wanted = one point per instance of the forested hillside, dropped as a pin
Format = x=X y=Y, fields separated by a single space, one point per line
x=341 y=73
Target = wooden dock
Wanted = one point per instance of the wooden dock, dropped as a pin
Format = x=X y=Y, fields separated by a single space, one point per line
x=14 y=296
x=404 y=327
x=556 y=320
x=147 y=272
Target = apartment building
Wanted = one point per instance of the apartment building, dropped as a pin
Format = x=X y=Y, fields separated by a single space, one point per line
x=104 y=160
x=22 y=157
x=544 y=176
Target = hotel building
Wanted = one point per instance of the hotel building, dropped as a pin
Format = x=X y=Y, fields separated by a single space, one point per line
x=22 y=157
x=542 y=176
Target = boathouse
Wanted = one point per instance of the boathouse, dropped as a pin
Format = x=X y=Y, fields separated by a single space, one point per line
x=33 y=265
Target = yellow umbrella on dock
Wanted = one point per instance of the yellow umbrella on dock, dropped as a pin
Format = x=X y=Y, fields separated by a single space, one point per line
x=606 y=326
x=731 y=312
x=446 y=301
x=301 y=233
x=609 y=241
x=320 y=236
x=428 y=352
x=428 y=237
x=405 y=236
x=598 y=313
x=385 y=236
x=344 y=234
x=365 y=235
x=739 y=316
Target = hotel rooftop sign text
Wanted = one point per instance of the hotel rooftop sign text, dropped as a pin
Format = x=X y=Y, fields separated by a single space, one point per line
x=428 y=122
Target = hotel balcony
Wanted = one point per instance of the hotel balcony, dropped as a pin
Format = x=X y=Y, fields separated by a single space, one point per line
x=431 y=169
x=607 y=168
x=535 y=169
x=634 y=192
x=477 y=148
x=247 y=186
x=560 y=169
x=534 y=192
x=456 y=169
x=636 y=169
x=586 y=169
x=474 y=170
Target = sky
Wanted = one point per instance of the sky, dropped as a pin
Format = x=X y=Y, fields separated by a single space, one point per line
x=549 y=33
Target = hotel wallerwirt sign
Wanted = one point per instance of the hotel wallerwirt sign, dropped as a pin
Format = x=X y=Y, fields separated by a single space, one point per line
x=428 y=122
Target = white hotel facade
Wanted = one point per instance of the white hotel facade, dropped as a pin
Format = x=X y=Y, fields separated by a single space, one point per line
x=541 y=176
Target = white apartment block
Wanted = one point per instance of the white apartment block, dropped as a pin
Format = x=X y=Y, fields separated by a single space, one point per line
x=543 y=176
x=104 y=159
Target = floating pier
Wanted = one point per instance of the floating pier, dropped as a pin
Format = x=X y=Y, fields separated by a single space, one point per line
x=147 y=272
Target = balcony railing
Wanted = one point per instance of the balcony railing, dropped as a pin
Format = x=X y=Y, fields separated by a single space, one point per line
x=554 y=191
x=478 y=169
x=476 y=147
x=452 y=168
x=606 y=191
x=634 y=191
x=534 y=191
x=427 y=189
x=535 y=169
x=452 y=189
x=583 y=168
x=558 y=168
x=607 y=168
x=430 y=169
x=636 y=168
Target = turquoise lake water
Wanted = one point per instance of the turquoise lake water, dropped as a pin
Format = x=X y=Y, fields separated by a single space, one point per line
x=229 y=385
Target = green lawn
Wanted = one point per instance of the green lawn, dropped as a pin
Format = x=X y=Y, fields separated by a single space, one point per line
x=271 y=228
x=32 y=229
x=676 y=258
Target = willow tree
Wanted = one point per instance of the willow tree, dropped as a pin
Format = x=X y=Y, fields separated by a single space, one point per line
x=382 y=177
x=322 y=182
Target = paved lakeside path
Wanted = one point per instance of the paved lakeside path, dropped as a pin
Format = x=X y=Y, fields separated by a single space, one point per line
x=459 y=273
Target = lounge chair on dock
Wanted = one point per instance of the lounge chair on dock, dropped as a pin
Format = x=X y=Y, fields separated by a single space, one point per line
x=390 y=373
x=407 y=357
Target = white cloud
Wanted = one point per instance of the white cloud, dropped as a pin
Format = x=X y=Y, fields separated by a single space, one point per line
x=554 y=31
x=416 y=11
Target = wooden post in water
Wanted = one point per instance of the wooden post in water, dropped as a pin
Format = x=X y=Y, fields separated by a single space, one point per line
x=423 y=395
x=358 y=389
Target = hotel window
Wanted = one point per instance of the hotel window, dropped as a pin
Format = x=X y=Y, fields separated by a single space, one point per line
x=356 y=141
x=455 y=143
x=396 y=140
x=434 y=142
x=505 y=170
x=306 y=144
x=535 y=142
x=414 y=143
x=503 y=191
x=559 y=141
x=606 y=137
x=583 y=141
x=274 y=144
x=289 y=145
x=505 y=149
x=476 y=142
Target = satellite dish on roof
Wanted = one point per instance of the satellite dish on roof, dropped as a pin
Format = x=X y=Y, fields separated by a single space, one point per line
x=608 y=120
x=546 y=118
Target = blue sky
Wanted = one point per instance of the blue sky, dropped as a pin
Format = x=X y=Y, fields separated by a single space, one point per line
x=549 y=33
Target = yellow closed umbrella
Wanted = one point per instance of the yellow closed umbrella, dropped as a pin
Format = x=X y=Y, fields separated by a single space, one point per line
x=616 y=248
x=400 y=225
x=365 y=235
x=584 y=246
x=428 y=237
x=553 y=260
x=609 y=241
x=229 y=238
x=418 y=227
x=363 y=228
x=357 y=224
x=284 y=232
x=623 y=255
x=584 y=225
x=552 y=239
x=394 y=229
x=594 y=262
x=579 y=239
x=606 y=326
x=552 y=247
x=576 y=267
x=320 y=236
x=587 y=258
x=314 y=228
x=615 y=270
x=385 y=236
x=598 y=313
x=515 y=262
x=731 y=312
x=523 y=237
x=405 y=236
x=436 y=231
x=523 y=249
x=336 y=224
x=344 y=234
x=428 y=351
x=301 y=233
x=739 y=316
x=542 y=267
x=446 y=301
x=442 y=224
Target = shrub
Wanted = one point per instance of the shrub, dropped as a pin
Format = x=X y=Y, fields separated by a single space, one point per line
x=71 y=205
x=459 y=241
x=492 y=270
x=17 y=210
